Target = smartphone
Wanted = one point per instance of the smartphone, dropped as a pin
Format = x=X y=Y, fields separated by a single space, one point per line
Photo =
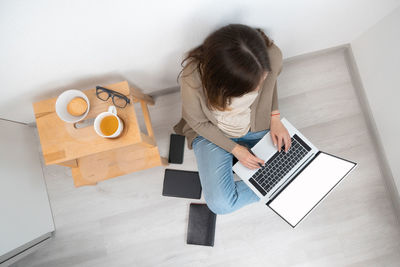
x=176 y=148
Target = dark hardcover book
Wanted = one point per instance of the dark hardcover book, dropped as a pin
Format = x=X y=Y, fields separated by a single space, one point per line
x=176 y=148
x=178 y=183
x=201 y=227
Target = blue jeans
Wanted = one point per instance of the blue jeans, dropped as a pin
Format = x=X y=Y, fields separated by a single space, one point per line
x=221 y=192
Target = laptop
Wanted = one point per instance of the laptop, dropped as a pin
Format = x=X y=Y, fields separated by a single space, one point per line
x=292 y=183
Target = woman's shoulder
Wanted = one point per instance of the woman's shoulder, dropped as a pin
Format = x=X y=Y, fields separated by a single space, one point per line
x=190 y=76
x=275 y=57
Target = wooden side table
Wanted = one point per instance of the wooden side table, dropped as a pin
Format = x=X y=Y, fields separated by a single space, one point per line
x=91 y=157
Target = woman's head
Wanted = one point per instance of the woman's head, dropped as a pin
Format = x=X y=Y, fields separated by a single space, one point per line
x=232 y=61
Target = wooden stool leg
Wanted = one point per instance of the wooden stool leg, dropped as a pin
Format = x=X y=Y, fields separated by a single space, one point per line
x=78 y=179
x=147 y=119
x=70 y=163
x=164 y=161
x=137 y=95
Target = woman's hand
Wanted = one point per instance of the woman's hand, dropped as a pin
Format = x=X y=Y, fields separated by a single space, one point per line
x=246 y=158
x=279 y=134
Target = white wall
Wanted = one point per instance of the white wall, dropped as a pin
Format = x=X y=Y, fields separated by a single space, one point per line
x=377 y=54
x=49 y=46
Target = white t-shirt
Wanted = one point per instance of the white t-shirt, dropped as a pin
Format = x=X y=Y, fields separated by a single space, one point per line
x=235 y=122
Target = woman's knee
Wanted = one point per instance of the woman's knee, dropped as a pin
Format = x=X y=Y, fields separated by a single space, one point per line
x=219 y=189
x=219 y=204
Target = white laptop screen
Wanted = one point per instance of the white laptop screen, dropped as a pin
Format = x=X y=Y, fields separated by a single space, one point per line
x=310 y=187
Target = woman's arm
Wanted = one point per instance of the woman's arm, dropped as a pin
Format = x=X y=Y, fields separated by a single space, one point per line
x=194 y=116
x=278 y=131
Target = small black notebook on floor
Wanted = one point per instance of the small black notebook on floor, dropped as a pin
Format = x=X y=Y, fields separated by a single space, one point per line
x=178 y=183
x=201 y=227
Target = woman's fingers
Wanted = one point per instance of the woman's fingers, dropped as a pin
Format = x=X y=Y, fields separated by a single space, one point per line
x=252 y=162
x=280 y=136
x=256 y=160
x=247 y=159
x=280 y=143
x=287 y=143
x=284 y=139
x=274 y=139
x=254 y=165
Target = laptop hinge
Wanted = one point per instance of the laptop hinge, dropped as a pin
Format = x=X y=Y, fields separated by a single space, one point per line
x=292 y=177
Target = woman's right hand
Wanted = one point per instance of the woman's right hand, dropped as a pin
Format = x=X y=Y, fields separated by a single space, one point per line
x=246 y=158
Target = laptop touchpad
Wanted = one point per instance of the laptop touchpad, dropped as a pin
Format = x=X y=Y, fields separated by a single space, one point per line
x=310 y=187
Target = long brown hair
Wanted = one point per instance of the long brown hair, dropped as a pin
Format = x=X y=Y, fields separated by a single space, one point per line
x=231 y=62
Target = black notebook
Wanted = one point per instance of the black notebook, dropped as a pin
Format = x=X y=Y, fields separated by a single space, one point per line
x=176 y=148
x=178 y=183
x=201 y=227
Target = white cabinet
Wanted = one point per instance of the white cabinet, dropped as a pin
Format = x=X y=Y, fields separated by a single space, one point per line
x=25 y=214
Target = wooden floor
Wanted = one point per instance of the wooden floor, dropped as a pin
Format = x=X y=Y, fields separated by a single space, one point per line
x=126 y=222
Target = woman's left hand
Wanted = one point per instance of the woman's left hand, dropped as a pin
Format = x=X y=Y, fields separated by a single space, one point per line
x=279 y=134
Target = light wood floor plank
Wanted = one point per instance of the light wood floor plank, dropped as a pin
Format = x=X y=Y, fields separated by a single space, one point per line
x=126 y=222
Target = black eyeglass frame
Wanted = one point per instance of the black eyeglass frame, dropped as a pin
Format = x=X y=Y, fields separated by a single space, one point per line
x=112 y=94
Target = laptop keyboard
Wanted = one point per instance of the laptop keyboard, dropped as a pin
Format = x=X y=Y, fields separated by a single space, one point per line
x=279 y=165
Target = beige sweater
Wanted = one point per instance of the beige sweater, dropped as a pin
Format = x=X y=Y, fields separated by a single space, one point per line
x=235 y=121
x=197 y=118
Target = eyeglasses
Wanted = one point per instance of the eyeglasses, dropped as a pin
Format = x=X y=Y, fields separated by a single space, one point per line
x=118 y=99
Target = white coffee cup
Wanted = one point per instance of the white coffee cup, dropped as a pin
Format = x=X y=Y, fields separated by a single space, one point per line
x=112 y=111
